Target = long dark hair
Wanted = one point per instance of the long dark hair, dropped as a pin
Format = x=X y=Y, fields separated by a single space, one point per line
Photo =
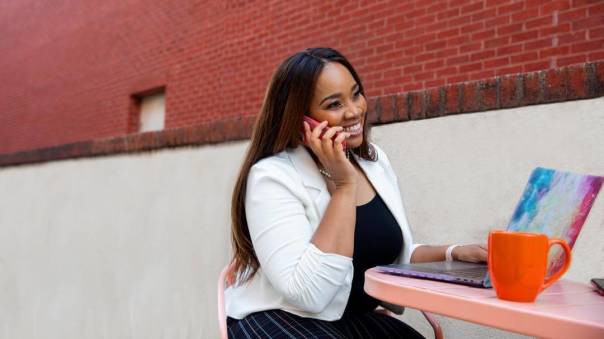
x=277 y=127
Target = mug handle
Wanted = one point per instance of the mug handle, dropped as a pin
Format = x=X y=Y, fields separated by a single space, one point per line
x=564 y=268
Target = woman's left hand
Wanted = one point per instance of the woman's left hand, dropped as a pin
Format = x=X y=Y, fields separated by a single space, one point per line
x=470 y=253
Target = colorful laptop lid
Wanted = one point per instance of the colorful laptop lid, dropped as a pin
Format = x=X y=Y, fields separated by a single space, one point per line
x=556 y=203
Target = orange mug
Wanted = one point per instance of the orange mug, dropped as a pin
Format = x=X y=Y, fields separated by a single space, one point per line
x=518 y=264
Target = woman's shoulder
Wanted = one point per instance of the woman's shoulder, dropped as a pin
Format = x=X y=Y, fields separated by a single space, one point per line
x=277 y=165
x=275 y=161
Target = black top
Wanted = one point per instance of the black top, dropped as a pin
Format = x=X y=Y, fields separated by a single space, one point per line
x=378 y=240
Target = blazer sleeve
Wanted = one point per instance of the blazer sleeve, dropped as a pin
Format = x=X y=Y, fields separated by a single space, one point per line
x=307 y=277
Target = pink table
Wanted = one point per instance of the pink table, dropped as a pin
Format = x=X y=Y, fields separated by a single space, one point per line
x=565 y=310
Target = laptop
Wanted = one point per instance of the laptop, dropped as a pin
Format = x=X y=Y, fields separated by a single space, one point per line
x=554 y=203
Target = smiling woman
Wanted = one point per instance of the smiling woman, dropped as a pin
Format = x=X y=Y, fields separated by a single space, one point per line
x=310 y=216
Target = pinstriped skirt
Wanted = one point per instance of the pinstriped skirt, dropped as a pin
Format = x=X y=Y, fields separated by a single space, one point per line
x=277 y=324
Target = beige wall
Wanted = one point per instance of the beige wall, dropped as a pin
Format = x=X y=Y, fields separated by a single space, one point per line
x=130 y=246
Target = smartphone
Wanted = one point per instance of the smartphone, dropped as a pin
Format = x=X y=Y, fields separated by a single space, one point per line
x=314 y=123
x=598 y=285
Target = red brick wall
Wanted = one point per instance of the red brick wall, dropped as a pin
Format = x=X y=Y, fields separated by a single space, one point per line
x=68 y=69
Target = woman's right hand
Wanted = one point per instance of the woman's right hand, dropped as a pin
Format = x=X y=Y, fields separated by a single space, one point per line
x=331 y=153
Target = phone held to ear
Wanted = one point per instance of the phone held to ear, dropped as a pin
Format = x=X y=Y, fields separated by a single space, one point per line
x=313 y=124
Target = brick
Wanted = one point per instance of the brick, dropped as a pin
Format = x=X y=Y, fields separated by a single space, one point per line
x=470 y=97
x=507 y=9
x=456 y=21
x=595 y=79
x=577 y=82
x=493 y=63
x=554 y=51
x=525 y=57
x=555 y=85
x=471 y=47
x=457 y=60
x=438 y=82
x=511 y=49
x=596 y=56
x=413 y=86
x=589 y=22
x=587 y=46
x=577 y=3
x=572 y=37
x=448 y=33
x=472 y=8
x=555 y=5
x=447 y=72
x=489 y=33
x=482 y=55
x=538 y=22
x=484 y=15
x=547 y=31
x=509 y=29
x=470 y=67
x=424 y=57
x=482 y=75
x=433 y=103
x=424 y=76
x=452 y=99
x=446 y=52
x=537 y=44
x=510 y=91
x=472 y=27
x=497 y=21
x=489 y=98
x=497 y=42
x=596 y=33
x=402 y=107
x=453 y=12
x=529 y=35
x=525 y=15
x=374 y=109
x=412 y=69
x=434 y=64
x=533 y=3
x=572 y=15
x=536 y=66
x=575 y=59
x=531 y=89
x=372 y=113
x=509 y=70
x=596 y=10
x=415 y=102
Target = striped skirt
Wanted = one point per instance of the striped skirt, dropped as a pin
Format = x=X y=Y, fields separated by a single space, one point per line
x=279 y=324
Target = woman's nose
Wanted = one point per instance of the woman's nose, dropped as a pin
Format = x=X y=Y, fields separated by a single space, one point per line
x=353 y=110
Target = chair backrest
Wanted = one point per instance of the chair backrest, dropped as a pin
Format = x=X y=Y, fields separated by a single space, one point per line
x=223 y=283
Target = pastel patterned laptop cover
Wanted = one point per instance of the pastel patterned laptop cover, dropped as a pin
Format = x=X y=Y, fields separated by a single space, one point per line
x=555 y=203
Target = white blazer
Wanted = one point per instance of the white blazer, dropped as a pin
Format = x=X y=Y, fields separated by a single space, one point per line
x=285 y=201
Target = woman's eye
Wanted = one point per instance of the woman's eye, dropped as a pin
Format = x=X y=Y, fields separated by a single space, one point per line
x=333 y=105
x=357 y=94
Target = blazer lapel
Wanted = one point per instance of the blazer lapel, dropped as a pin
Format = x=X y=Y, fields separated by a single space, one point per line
x=312 y=180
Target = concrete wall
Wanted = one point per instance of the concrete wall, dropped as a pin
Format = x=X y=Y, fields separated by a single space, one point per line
x=130 y=246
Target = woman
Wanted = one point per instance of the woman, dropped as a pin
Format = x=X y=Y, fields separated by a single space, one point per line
x=310 y=215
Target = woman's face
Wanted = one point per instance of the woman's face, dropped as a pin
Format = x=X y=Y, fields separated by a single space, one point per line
x=338 y=100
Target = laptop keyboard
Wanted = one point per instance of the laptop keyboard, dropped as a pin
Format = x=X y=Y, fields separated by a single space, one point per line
x=470 y=273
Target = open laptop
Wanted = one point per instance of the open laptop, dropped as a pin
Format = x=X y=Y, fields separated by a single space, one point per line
x=554 y=203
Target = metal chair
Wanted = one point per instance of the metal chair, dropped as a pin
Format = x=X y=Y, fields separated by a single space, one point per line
x=223 y=283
